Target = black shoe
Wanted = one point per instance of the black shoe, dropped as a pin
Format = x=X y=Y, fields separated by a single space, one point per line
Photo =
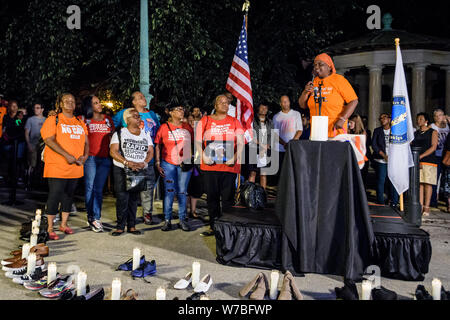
x=167 y=226
x=117 y=233
x=208 y=233
x=184 y=226
x=195 y=296
x=383 y=294
x=422 y=293
x=348 y=291
x=95 y=295
x=136 y=232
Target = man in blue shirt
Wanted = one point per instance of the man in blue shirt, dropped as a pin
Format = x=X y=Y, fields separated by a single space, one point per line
x=150 y=123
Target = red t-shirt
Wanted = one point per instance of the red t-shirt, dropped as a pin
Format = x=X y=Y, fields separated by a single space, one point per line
x=219 y=142
x=184 y=136
x=99 y=136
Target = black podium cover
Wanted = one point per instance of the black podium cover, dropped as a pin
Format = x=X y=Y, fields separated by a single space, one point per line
x=323 y=209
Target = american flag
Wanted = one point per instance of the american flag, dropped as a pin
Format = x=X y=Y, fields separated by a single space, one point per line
x=240 y=86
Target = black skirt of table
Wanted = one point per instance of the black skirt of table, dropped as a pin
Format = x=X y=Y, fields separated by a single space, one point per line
x=323 y=210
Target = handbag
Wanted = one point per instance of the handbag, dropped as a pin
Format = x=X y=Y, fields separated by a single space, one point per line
x=184 y=166
x=135 y=181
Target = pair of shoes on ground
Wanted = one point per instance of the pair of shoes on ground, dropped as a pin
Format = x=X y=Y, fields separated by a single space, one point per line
x=95 y=225
x=58 y=287
x=21 y=265
x=182 y=224
x=260 y=286
x=119 y=232
x=94 y=295
x=422 y=293
x=145 y=269
x=40 y=249
x=130 y=294
x=53 y=236
x=203 y=285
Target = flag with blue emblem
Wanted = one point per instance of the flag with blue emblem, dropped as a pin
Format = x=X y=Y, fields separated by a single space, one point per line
x=402 y=132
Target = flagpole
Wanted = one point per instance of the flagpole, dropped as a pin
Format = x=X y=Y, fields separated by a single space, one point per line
x=397 y=43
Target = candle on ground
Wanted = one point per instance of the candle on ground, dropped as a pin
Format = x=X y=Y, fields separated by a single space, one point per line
x=81 y=283
x=25 y=250
x=274 y=276
x=115 y=289
x=366 y=290
x=34 y=224
x=31 y=263
x=436 y=289
x=33 y=240
x=136 y=258
x=195 y=273
x=160 y=293
x=51 y=272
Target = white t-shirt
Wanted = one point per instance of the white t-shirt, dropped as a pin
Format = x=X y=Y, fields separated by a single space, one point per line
x=442 y=135
x=386 y=140
x=287 y=124
x=134 y=148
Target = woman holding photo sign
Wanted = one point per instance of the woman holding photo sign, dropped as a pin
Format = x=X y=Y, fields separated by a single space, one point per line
x=220 y=138
x=339 y=100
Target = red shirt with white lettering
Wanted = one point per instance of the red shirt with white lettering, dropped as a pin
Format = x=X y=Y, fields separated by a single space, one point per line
x=219 y=142
x=99 y=136
x=171 y=152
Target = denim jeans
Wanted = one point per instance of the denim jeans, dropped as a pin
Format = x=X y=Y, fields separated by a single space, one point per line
x=96 y=170
x=175 y=180
x=382 y=174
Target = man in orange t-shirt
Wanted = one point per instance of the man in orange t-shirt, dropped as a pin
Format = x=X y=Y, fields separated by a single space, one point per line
x=339 y=100
x=66 y=150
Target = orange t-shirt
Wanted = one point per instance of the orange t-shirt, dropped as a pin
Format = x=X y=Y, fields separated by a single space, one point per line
x=71 y=136
x=3 y=111
x=219 y=141
x=337 y=92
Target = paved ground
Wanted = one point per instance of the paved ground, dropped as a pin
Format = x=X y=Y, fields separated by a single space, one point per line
x=99 y=254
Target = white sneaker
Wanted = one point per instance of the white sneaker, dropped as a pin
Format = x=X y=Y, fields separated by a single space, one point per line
x=97 y=226
x=184 y=283
x=204 y=284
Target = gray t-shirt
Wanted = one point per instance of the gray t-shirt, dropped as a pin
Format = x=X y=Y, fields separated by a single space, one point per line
x=34 y=125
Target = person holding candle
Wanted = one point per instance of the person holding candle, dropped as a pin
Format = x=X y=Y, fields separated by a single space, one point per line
x=172 y=152
x=136 y=151
x=66 y=150
x=98 y=164
x=339 y=100
x=220 y=139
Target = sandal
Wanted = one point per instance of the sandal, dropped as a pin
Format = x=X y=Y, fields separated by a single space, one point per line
x=53 y=236
x=117 y=233
x=66 y=230
x=194 y=215
x=426 y=211
x=129 y=295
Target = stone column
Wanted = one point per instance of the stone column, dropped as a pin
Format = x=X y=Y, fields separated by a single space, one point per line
x=447 y=89
x=374 y=95
x=418 y=89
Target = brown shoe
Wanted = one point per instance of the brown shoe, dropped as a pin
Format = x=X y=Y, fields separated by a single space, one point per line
x=289 y=288
x=249 y=286
x=261 y=288
x=7 y=261
x=19 y=252
x=19 y=264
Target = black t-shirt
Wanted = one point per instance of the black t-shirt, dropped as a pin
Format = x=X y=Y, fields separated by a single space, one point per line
x=423 y=139
x=14 y=129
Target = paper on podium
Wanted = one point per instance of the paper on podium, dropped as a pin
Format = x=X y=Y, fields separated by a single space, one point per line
x=358 y=143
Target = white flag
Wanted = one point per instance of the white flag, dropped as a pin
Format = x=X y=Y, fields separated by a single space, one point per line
x=402 y=132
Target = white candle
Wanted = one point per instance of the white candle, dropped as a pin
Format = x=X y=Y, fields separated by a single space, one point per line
x=81 y=283
x=160 y=293
x=116 y=287
x=38 y=219
x=33 y=240
x=274 y=276
x=25 y=250
x=34 y=224
x=35 y=230
x=51 y=272
x=204 y=297
x=436 y=289
x=136 y=258
x=31 y=263
x=38 y=212
x=366 y=290
x=195 y=273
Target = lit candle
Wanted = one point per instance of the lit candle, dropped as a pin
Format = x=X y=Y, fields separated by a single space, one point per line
x=34 y=224
x=160 y=293
x=31 y=263
x=51 y=272
x=274 y=276
x=366 y=290
x=33 y=240
x=35 y=230
x=116 y=286
x=136 y=258
x=436 y=289
x=195 y=273
x=25 y=250
x=81 y=283
x=38 y=212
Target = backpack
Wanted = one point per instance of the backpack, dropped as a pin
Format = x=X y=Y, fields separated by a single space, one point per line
x=251 y=195
x=25 y=231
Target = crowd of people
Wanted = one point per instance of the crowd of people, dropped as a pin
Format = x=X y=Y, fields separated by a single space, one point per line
x=190 y=152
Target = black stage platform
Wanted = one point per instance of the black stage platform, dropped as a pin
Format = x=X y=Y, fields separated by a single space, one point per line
x=253 y=239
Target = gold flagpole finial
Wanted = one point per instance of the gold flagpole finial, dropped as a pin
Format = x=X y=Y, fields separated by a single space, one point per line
x=397 y=41
x=245 y=6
